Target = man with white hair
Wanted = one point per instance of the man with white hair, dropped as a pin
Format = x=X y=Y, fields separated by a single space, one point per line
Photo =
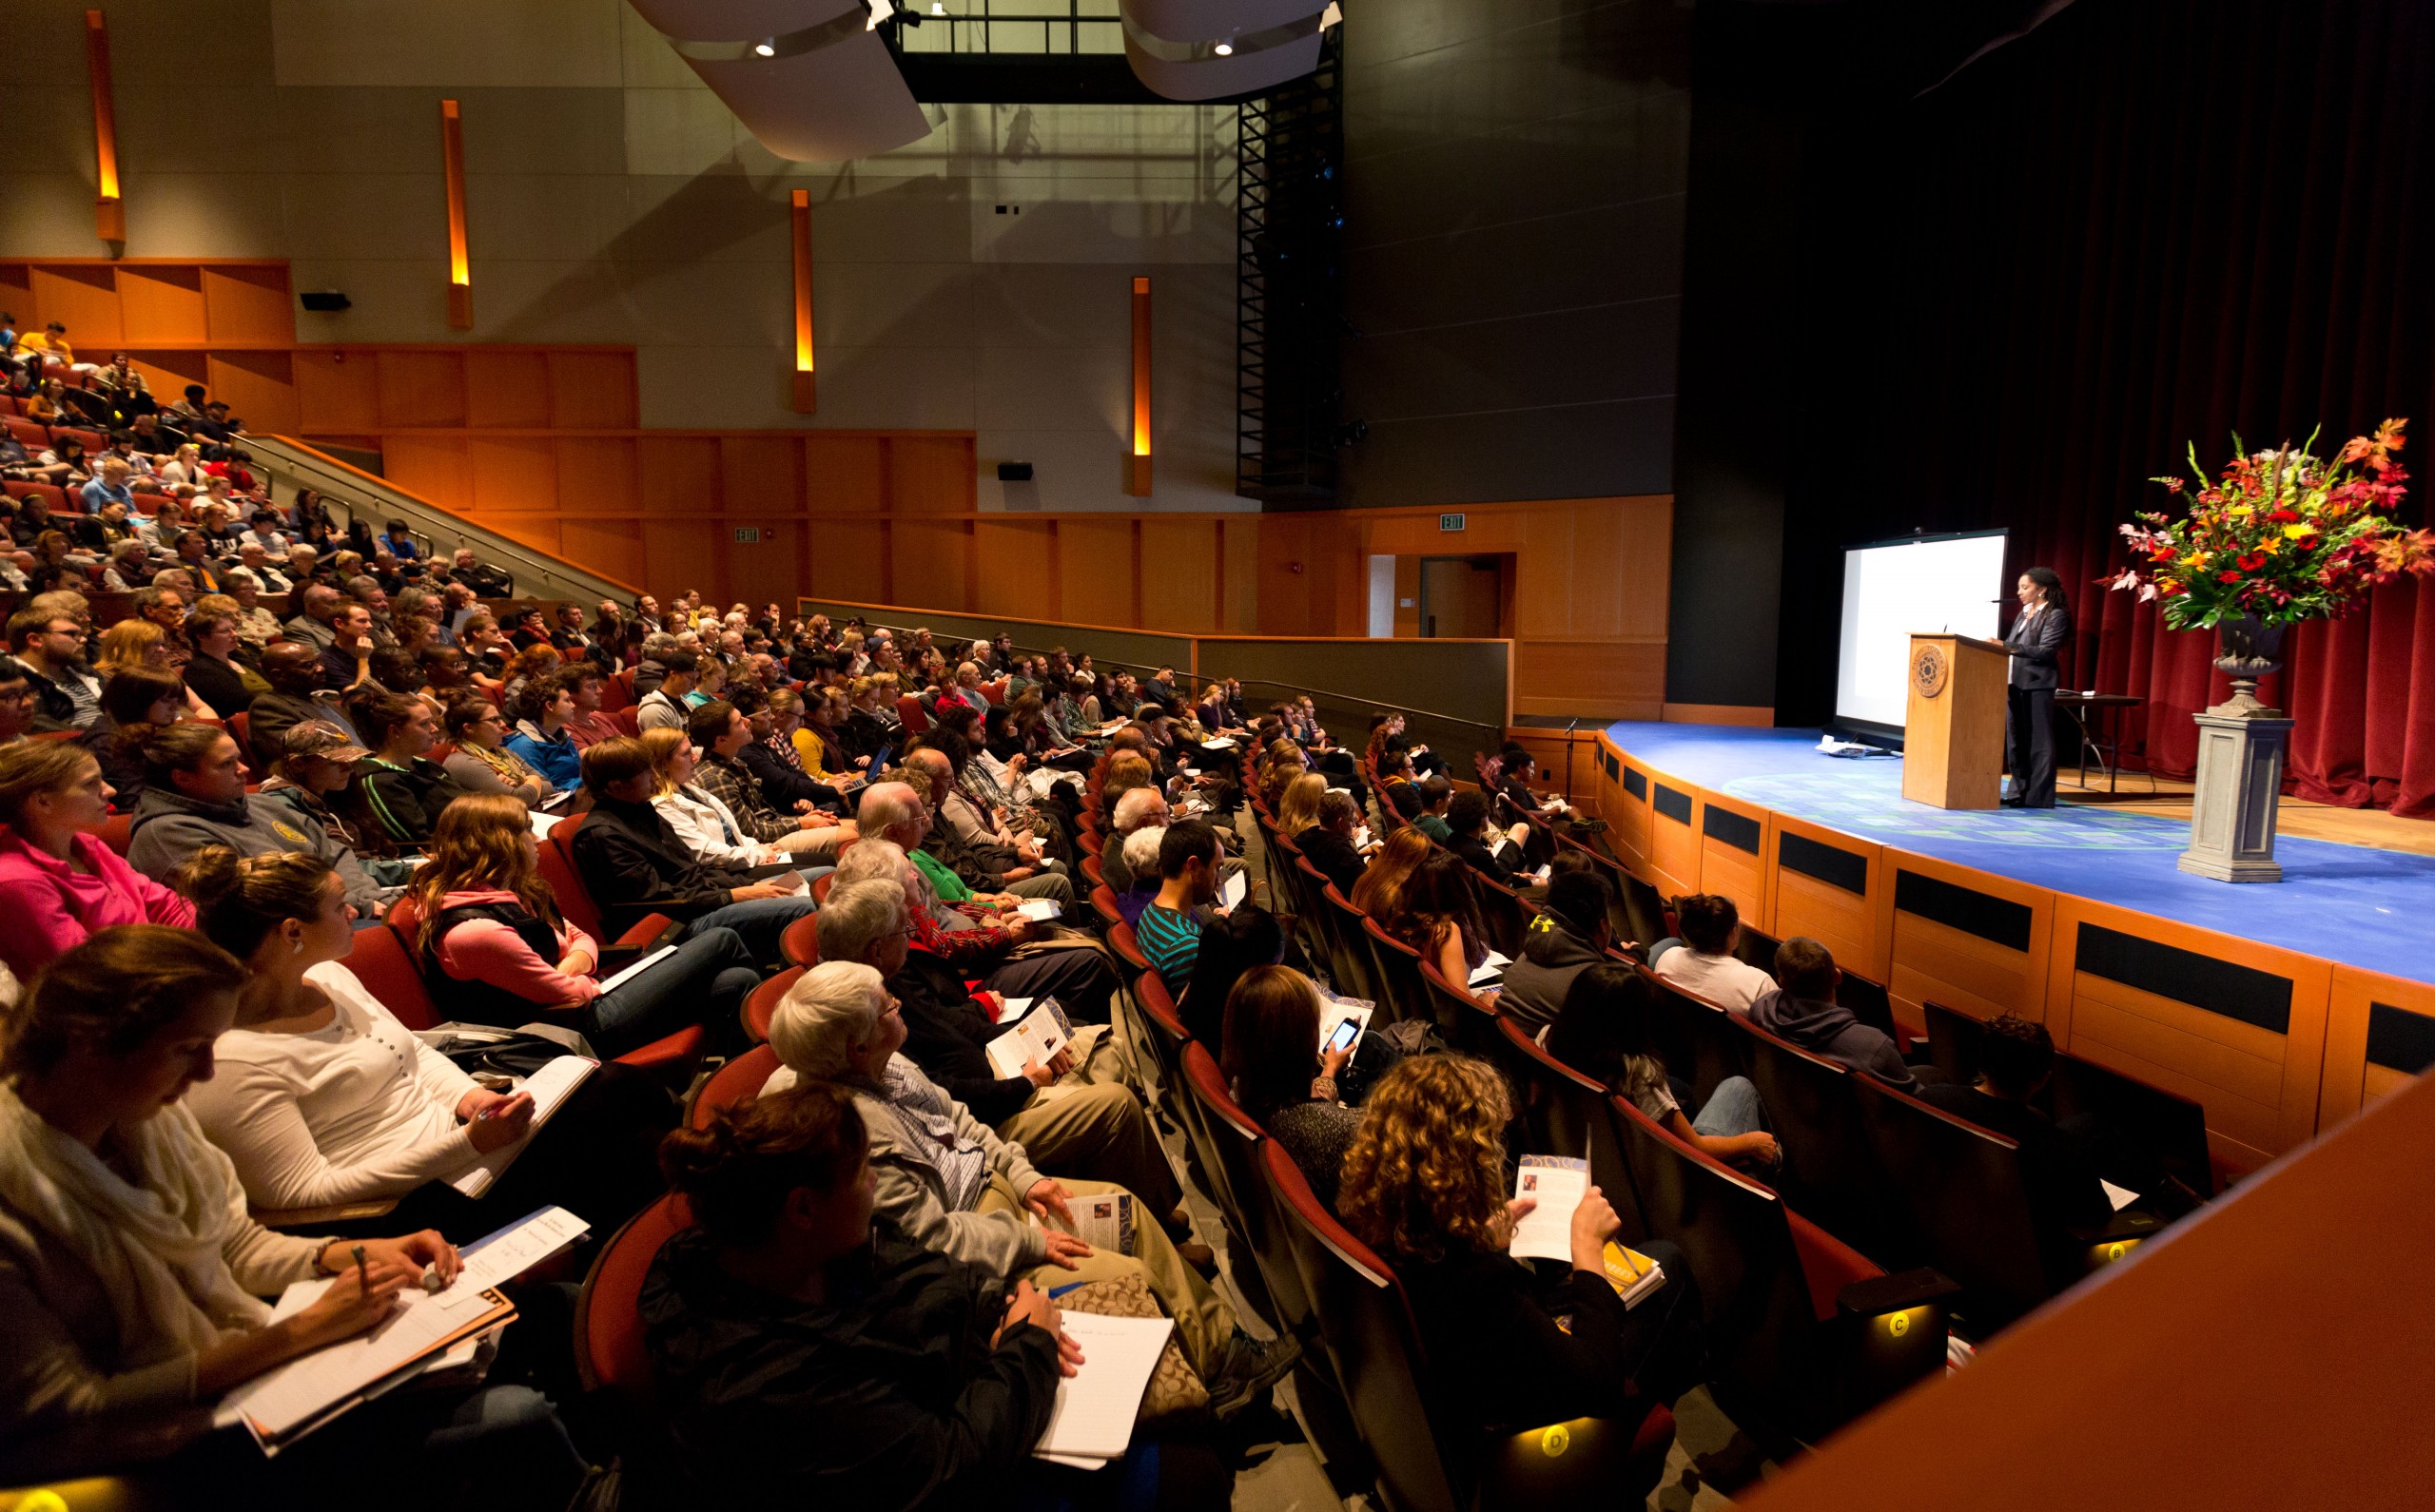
x=979 y=862
x=1075 y=1111
x=1140 y=851
x=1139 y=809
x=1075 y=971
x=944 y=1180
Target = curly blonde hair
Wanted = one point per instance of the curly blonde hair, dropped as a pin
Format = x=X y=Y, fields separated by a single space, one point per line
x=1426 y=1172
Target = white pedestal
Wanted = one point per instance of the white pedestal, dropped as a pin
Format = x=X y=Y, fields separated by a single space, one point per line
x=2240 y=782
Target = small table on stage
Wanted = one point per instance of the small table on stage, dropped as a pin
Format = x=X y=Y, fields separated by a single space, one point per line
x=2105 y=739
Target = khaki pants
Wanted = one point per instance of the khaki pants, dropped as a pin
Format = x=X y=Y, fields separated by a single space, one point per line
x=820 y=845
x=1204 y=1324
x=1091 y=1122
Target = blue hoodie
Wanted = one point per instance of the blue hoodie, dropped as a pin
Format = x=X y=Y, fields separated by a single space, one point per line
x=1829 y=1029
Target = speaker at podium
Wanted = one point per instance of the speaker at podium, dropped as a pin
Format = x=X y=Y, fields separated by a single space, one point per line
x=1953 y=727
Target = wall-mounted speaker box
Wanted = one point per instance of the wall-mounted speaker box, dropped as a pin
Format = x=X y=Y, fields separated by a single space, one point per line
x=1014 y=472
x=324 y=301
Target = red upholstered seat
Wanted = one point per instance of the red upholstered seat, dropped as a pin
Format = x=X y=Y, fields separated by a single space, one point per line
x=739 y=1081
x=762 y=1006
x=800 y=944
x=608 y=1328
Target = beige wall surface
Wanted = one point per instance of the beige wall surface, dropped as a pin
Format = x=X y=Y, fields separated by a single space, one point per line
x=612 y=199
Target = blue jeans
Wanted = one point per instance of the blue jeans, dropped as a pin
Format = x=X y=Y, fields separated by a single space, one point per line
x=1660 y=948
x=706 y=982
x=1732 y=1109
x=760 y=922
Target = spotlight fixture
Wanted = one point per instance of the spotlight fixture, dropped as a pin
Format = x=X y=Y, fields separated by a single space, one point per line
x=765 y=47
x=1224 y=49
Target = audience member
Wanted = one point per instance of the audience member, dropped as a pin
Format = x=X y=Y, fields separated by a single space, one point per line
x=399 y=789
x=947 y=1182
x=50 y=645
x=131 y=1275
x=1436 y=915
x=722 y=734
x=1803 y=1009
x=1568 y=935
x=633 y=866
x=1169 y=932
x=544 y=737
x=2016 y=1059
x=1495 y=853
x=1424 y=1185
x=491 y=943
x=294 y=672
x=1330 y=843
x=58 y=882
x=1283 y=1077
x=324 y=1098
x=482 y=762
x=194 y=795
x=1702 y=962
x=1604 y=1032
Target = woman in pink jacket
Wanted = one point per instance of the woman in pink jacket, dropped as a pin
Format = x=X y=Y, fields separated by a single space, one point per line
x=493 y=949
x=58 y=882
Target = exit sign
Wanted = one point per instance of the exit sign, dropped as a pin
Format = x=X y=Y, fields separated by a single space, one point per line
x=1450 y=522
x=747 y=535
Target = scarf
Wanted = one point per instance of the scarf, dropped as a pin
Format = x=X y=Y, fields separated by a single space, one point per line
x=157 y=1248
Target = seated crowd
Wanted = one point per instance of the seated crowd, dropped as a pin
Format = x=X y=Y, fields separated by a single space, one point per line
x=292 y=741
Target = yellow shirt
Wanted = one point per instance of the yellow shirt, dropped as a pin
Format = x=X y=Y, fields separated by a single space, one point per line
x=809 y=751
x=45 y=341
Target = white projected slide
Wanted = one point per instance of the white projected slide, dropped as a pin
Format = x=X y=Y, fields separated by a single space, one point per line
x=1894 y=591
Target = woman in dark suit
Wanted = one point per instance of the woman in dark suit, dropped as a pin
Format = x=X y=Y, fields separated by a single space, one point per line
x=2040 y=632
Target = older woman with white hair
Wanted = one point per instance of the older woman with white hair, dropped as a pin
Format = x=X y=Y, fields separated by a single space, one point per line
x=946 y=1181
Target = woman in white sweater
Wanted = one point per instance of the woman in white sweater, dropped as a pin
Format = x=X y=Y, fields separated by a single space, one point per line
x=131 y=1280
x=709 y=828
x=324 y=1097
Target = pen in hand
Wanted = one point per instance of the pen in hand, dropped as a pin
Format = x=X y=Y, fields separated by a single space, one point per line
x=362 y=1273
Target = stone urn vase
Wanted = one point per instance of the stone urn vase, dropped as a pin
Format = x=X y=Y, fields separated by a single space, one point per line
x=2241 y=748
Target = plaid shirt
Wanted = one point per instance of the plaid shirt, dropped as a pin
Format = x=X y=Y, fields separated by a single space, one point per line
x=726 y=779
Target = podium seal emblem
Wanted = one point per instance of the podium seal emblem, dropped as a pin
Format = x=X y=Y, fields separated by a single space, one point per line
x=1928 y=671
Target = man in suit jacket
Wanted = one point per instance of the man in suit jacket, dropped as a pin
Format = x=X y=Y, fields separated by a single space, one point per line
x=2040 y=632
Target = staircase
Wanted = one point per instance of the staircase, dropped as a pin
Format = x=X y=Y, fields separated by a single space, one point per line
x=351 y=492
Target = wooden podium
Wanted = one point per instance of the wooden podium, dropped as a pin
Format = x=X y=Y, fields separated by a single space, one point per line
x=1953 y=732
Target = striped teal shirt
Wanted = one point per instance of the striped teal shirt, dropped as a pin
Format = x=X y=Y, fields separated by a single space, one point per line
x=1172 y=940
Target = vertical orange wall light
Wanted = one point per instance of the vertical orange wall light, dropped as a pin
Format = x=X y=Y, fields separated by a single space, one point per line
x=460 y=273
x=806 y=392
x=1137 y=471
x=110 y=213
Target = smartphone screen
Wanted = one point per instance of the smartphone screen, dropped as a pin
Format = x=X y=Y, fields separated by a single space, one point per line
x=1345 y=1035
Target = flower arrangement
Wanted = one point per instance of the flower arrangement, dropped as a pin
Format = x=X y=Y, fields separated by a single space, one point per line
x=2282 y=536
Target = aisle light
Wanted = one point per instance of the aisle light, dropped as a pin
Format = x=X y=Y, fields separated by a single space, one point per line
x=109 y=212
x=460 y=277
x=1136 y=475
x=807 y=395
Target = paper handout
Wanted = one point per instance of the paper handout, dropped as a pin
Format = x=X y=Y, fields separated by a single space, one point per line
x=1558 y=1183
x=1042 y=1033
x=1096 y=1405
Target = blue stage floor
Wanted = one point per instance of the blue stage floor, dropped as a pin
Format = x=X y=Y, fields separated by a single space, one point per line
x=2369 y=908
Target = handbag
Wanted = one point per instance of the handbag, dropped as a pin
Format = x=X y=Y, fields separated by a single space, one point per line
x=481 y=1051
x=1175 y=1389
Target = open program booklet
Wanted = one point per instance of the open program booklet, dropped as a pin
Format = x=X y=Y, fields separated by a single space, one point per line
x=1038 y=1034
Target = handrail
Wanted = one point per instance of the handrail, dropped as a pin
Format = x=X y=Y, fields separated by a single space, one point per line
x=302 y=460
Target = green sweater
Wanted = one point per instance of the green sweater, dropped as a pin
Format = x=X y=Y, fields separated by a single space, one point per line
x=949 y=887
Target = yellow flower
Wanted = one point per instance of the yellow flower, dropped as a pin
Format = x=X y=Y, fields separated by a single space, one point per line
x=2196 y=561
x=2242 y=511
x=2293 y=532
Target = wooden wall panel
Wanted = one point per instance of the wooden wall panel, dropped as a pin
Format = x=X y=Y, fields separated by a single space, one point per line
x=258 y=386
x=161 y=304
x=17 y=295
x=930 y=562
x=507 y=390
x=1673 y=838
x=681 y=555
x=517 y=474
x=1095 y=570
x=765 y=571
x=1728 y=869
x=1628 y=818
x=849 y=558
x=1802 y=904
x=2363 y=1064
x=168 y=372
x=1238 y=549
x=336 y=391
x=593 y=391
x=596 y=474
x=1930 y=959
x=761 y=476
x=432 y=467
x=677 y=475
x=2260 y=1087
x=844 y=473
x=1180 y=565
x=84 y=300
x=421 y=389
x=611 y=548
x=1285 y=553
x=1599 y=680
x=1018 y=565
x=542 y=531
x=248 y=303
x=931 y=475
